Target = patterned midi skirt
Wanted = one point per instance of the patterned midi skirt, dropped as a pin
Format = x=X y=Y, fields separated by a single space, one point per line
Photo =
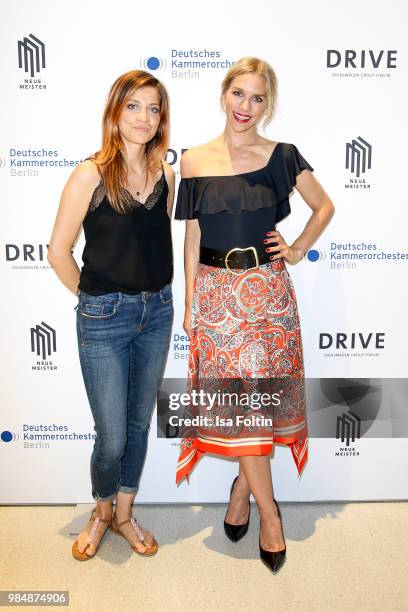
x=246 y=327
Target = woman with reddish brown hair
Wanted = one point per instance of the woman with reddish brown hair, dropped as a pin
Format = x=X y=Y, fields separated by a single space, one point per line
x=123 y=197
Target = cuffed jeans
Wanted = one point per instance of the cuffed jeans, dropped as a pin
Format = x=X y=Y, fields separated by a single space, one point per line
x=123 y=343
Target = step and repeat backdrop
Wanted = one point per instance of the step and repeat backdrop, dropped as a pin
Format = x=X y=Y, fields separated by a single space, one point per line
x=342 y=101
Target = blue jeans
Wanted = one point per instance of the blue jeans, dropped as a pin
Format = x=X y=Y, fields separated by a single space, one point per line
x=123 y=343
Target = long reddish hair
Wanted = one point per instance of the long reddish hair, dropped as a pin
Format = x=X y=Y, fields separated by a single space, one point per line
x=110 y=158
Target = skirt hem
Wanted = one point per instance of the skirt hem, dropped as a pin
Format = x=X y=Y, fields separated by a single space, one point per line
x=199 y=448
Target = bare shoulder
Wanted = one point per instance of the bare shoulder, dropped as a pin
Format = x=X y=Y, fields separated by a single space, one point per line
x=268 y=145
x=195 y=159
x=168 y=172
x=81 y=185
x=86 y=175
x=190 y=162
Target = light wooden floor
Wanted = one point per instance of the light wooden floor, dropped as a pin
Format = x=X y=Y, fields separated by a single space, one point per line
x=339 y=557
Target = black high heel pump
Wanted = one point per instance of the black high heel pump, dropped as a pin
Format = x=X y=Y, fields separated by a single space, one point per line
x=273 y=560
x=236 y=532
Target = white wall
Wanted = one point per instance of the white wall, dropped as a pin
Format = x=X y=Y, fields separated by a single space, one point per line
x=87 y=45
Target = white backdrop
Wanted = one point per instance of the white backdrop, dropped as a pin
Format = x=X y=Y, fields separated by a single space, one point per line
x=52 y=120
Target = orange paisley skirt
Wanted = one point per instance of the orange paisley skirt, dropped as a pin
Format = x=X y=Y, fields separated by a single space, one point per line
x=242 y=326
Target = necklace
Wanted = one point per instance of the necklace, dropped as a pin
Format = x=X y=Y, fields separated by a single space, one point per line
x=138 y=192
x=144 y=188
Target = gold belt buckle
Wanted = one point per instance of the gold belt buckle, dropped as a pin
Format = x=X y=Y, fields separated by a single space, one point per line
x=254 y=251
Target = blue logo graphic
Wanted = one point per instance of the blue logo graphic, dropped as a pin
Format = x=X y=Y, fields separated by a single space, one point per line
x=8 y=436
x=314 y=255
x=153 y=63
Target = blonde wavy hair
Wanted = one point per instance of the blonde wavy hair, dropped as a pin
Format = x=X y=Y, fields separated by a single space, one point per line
x=253 y=65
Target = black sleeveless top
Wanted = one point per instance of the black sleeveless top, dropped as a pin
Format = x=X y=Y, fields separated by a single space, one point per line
x=129 y=252
x=237 y=210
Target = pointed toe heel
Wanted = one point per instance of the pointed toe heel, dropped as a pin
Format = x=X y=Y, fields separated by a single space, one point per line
x=273 y=560
x=236 y=532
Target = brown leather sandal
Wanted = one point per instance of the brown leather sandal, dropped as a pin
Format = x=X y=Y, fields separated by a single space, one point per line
x=115 y=527
x=83 y=556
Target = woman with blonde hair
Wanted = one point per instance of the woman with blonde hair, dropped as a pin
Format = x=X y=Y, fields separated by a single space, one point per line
x=241 y=312
x=123 y=196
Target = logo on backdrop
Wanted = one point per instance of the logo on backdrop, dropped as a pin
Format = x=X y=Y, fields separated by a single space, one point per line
x=31 y=59
x=358 y=156
x=361 y=63
x=358 y=160
x=350 y=408
x=351 y=344
x=180 y=346
x=25 y=256
x=44 y=435
x=43 y=344
x=9 y=436
x=33 y=160
x=153 y=63
x=173 y=156
x=314 y=255
x=353 y=255
x=348 y=427
x=31 y=54
x=187 y=63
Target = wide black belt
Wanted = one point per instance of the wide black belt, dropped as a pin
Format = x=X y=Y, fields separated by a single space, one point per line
x=235 y=259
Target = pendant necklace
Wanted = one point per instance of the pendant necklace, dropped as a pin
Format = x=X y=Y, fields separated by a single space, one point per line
x=138 y=193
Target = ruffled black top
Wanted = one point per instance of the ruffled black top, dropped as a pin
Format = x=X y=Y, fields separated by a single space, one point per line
x=238 y=210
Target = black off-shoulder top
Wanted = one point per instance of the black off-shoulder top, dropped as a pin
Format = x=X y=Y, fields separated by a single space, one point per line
x=237 y=210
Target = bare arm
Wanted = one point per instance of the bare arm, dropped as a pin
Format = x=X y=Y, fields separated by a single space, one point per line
x=73 y=207
x=322 y=211
x=191 y=243
x=169 y=172
x=191 y=257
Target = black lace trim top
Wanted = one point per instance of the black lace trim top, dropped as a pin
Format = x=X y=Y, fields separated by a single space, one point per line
x=100 y=192
x=129 y=252
x=237 y=210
